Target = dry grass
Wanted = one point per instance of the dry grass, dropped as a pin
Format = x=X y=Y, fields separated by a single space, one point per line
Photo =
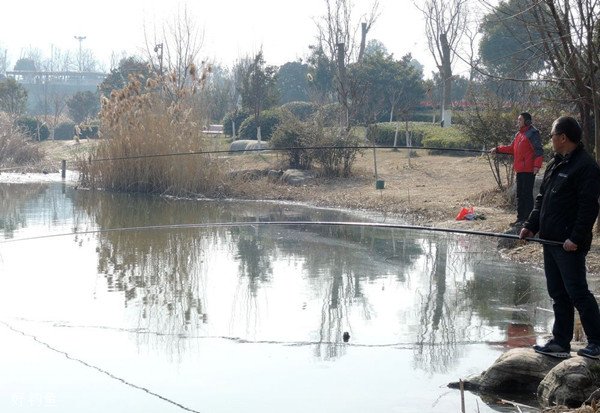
x=139 y=121
x=15 y=148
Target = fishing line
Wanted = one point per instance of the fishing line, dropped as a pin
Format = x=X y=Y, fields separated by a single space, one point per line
x=293 y=223
x=293 y=148
x=402 y=345
x=86 y=364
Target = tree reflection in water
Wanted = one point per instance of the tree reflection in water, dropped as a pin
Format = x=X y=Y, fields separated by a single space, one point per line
x=164 y=273
x=16 y=199
x=437 y=331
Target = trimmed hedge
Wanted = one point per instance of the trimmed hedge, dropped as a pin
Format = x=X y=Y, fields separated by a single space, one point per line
x=30 y=126
x=236 y=116
x=422 y=134
x=302 y=110
x=269 y=120
x=64 y=131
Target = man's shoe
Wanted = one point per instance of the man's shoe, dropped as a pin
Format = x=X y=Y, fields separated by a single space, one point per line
x=552 y=349
x=591 y=351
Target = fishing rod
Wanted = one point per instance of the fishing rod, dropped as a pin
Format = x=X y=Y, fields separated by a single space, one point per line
x=294 y=223
x=292 y=148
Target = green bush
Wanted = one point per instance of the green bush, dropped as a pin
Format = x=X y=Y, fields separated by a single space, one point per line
x=269 y=119
x=31 y=126
x=238 y=117
x=337 y=162
x=422 y=134
x=384 y=133
x=64 y=131
x=301 y=110
x=330 y=114
x=448 y=138
x=293 y=133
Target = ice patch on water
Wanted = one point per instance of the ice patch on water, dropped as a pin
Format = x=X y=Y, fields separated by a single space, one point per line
x=16 y=177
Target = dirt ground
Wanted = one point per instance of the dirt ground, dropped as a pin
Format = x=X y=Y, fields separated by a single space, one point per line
x=427 y=190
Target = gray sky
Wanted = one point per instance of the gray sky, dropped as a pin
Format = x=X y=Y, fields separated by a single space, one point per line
x=232 y=28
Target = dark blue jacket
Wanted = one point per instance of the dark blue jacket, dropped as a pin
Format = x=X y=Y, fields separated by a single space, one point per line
x=567 y=205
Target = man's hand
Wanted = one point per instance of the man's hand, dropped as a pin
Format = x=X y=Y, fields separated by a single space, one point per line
x=525 y=233
x=569 y=245
x=493 y=151
x=535 y=170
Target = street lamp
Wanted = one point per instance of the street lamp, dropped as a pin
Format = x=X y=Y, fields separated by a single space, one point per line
x=158 y=49
x=80 y=39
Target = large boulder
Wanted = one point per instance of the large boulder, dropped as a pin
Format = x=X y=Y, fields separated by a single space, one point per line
x=296 y=176
x=555 y=381
x=517 y=370
x=570 y=383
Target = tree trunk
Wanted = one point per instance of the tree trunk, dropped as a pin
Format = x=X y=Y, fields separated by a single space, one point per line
x=342 y=89
x=446 y=73
x=363 y=40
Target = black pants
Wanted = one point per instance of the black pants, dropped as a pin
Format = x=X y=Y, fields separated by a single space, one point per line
x=568 y=288
x=525 y=182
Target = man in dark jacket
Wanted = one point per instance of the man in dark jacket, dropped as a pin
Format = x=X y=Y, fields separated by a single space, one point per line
x=526 y=149
x=565 y=210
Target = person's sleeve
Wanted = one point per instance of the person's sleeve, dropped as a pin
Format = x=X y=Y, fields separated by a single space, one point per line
x=538 y=149
x=533 y=221
x=508 y=149
x=536 y=143
x=587 y=204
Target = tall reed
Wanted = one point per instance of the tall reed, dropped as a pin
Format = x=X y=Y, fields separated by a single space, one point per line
x=158 y=117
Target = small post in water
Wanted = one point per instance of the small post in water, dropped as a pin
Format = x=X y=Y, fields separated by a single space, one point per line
x=63 y=171
x=462 y=395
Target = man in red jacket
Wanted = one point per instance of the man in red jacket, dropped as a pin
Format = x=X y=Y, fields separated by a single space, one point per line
x=526 y=149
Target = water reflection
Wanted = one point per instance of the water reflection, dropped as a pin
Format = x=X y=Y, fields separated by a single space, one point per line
x=170 y=279
x=395 y=292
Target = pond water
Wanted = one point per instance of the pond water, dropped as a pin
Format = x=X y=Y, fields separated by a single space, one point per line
x=244 y=318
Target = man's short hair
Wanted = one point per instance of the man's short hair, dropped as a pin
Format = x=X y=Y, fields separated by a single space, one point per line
x=569 y=126
x=526 y=117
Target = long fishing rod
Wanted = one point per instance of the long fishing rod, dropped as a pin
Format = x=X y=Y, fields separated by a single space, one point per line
x=294 y=223
x=293 y=148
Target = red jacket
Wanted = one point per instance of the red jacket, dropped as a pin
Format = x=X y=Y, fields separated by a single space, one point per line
x=526 y=149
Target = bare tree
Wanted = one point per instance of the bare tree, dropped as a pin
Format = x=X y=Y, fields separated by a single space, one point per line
x=445 y=23
x=175 y=48
x=571 y=41
x=337 y=37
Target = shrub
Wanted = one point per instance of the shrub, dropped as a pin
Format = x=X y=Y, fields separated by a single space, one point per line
x=448 y=138
x=292 y=132
x=14 y=147
x=236 y=116
x=269 y=119
x=301 y=110
x=31 y=127
x=421 y=134
x=64 y=131
x=337 y=162
x=330 y=114
x=384 y=133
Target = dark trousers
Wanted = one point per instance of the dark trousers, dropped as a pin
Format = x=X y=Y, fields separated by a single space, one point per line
x=525 y=181
x=568 y=288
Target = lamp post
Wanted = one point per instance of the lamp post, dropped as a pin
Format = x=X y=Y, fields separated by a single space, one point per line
x=158 y=49
x=80 y=39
